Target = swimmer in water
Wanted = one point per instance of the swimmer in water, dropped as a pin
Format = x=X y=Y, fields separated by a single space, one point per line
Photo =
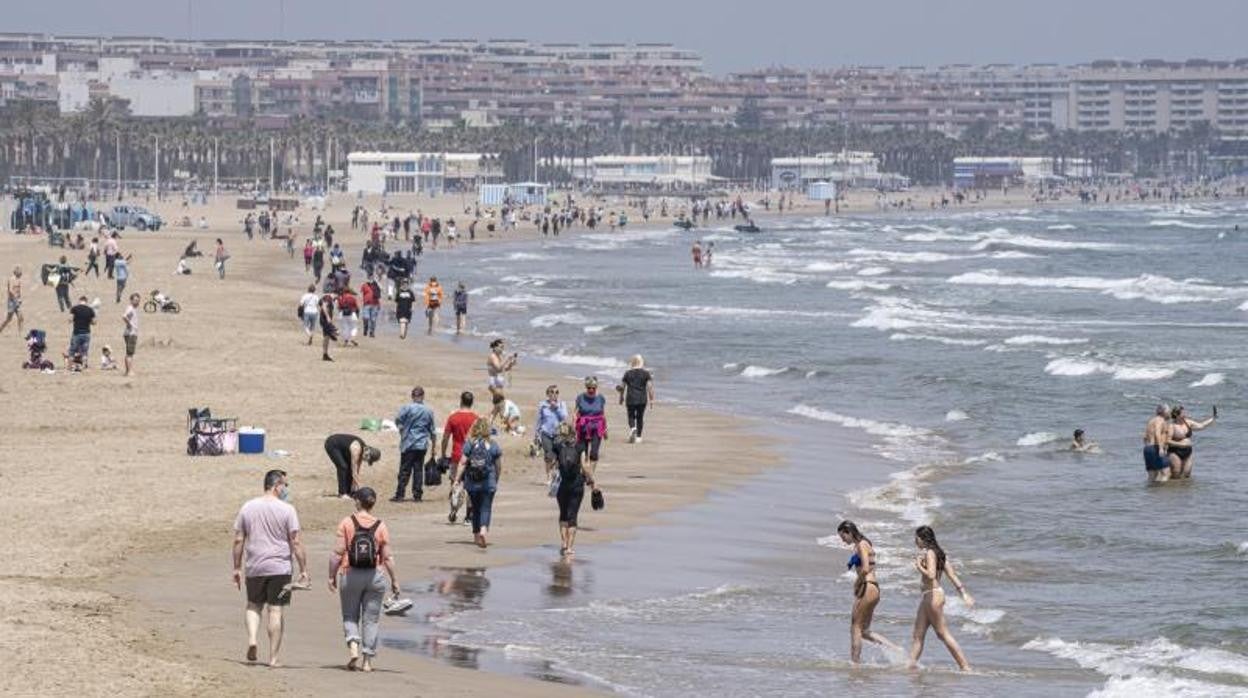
x=866 y=591
x=1080 y=444
x=932 y=564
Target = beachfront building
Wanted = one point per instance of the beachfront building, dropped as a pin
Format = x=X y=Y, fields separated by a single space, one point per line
x=998 y=172
x=515 y=194
x=643 y=171
x=420 y=173
x=848 y=169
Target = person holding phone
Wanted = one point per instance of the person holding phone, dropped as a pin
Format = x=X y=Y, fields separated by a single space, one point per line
x=1180 y=450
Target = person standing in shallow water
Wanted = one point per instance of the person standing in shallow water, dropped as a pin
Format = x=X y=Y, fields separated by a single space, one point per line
x=1156 y=439
x=932 y=565
x=866 y=591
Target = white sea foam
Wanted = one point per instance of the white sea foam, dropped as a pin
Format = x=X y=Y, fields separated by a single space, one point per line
x=558 y=319
x=757 y=274
x=873 y=271
x=595 y=329
x=827 y=266
x=1014 y=254
x=1243 y=548
x=894 y=314
x=693 y=311
x=561 y=357
x=907 y=257
x=941 y=236
x=1030 y=339
x=1149 y=287
x=1061 y=226
x=870 y=426
x=1156 y=667
x=528 y=256
x=858 y=285
x=1071 y=366
x=1000 y=239
x=1171 y=223
x=479 y=290
x=1209 y=380
x=521 y=299
x=761 y=371
x=956 y=416
x=1038 y=438
x=949 y=341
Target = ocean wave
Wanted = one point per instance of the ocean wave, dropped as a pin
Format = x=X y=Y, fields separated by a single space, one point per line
x=907 y=257
x=941 y=236
x=1078 y=366
x=873 y=271
x=1152 y=666
x=729 y=311
x=1038 y=438
x=479 y=290
x=561 y=357
x=903 y=495
x=759 y=275
x=949 y=341
x=558 y=319
x=1030 y=339
x=1002 y=239
x=898 y=314
x=521 y=299
x=827 y=266
x=1209 y=380
x=1014 y=254
x=858 y=285
x=1149 y=287
x=1171 y=223
x=956 y=416
x=751 y=371
x=596 y=329
x=528 y=257
x=1061 y=226
x=1243 y=548
x=870 y=426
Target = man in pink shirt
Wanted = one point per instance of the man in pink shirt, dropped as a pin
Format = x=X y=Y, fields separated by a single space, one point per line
x=266 y=536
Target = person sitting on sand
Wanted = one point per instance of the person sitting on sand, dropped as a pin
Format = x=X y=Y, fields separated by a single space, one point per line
x=266 y=537
x=361 y=547
x=508 y=413
x=107 y=362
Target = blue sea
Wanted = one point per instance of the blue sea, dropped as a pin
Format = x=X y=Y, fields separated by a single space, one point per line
x=912 y=369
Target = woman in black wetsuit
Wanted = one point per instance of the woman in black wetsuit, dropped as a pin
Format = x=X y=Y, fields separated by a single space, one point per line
x=1180 y=446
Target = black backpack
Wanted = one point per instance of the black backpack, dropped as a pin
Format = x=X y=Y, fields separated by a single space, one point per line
x=363 y=550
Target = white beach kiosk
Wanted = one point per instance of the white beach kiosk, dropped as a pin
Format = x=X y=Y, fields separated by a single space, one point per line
x=519 y=193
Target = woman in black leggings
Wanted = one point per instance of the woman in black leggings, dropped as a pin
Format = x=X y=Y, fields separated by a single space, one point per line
x=637 y=392
x=572 y=481
x=347 y=453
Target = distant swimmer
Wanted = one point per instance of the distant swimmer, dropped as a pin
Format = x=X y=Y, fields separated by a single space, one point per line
x=1180 y=449
x=1156 y=438
x=697 y=254
x=1079 y=443
x=931 y=564
x=866 y=591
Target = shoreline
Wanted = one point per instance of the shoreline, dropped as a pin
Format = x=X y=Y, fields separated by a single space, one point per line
x=176 y=611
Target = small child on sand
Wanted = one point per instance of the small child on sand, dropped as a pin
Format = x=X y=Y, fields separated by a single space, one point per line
x=107 y=363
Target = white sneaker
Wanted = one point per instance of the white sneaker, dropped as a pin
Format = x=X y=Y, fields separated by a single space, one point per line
x=637 y=440
x=632 y=435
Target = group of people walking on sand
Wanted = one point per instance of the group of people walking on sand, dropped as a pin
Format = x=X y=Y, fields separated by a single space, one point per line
x=932 y=565
x=1168 y=448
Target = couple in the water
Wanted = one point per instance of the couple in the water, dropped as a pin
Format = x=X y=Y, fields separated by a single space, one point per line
x=931 y=564
x=1168 y=435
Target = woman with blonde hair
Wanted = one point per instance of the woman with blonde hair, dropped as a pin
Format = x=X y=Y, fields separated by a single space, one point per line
x=637 y=393
x=571 y=490
x=479 y=472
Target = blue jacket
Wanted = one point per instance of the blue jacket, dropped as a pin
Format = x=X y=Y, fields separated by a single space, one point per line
x=415 y=422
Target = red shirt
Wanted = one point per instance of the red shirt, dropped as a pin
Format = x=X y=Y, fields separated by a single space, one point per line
x=368 y=292
x=458 y=425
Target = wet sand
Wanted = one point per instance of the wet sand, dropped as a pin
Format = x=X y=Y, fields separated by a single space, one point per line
x=129 y=592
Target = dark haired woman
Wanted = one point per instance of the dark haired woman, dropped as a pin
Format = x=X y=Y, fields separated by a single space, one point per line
x=1179 y=447
x=866 y=591
x=931 y=564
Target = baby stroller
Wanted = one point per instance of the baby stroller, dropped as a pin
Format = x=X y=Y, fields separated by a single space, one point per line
x=209 y=436
x=37 y=344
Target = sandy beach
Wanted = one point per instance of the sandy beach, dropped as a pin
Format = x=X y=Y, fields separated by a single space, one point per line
x=128 y=591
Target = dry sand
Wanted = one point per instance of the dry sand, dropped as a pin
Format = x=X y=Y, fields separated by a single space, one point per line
x=120 y=584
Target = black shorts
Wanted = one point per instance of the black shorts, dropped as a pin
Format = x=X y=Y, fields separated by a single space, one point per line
x=132 y=342
x=589 y=447
x=404 y=314
x=267 y=590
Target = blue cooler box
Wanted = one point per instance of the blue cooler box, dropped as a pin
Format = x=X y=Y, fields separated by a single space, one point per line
x=250 y=440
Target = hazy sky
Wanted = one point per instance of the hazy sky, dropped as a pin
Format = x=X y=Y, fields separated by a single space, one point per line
x=732 y=35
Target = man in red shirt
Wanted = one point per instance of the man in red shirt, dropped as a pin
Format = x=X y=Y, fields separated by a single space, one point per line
x=458 y=424
x=348 y=310
x=370 y=292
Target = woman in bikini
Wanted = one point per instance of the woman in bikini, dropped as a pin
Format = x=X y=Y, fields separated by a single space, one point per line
x=1180 y=446
x=866 y=591
x=931 y=564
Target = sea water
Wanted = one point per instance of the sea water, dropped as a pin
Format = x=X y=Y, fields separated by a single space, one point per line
x=926 y=368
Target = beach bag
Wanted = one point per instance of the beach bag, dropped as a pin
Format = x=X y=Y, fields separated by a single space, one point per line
x=433 y=474
x=597 y=501
x=362 y=553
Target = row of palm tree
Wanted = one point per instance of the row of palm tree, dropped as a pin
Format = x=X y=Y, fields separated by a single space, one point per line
x=104 y=142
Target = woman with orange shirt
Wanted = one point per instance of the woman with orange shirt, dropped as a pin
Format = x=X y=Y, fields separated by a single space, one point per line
x=361 y=548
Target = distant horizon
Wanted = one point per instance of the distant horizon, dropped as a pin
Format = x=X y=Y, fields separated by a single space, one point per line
x=736 y=36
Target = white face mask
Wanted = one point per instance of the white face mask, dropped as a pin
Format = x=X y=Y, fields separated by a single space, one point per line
x=285 y=493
